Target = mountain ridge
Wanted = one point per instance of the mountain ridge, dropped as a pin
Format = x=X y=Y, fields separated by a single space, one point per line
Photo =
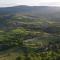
x=50 y=12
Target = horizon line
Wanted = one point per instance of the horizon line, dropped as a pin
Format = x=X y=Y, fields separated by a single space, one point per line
x=30 y=5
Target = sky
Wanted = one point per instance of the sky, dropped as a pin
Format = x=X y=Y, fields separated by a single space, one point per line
x=8 y=3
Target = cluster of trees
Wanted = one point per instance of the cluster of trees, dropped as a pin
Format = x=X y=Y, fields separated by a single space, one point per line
x=19 y=30
x=49 y=50
x=14 y=37
x=40 y=56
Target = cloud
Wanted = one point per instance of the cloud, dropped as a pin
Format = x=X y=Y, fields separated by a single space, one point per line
x=50 y=4
x=4 y=3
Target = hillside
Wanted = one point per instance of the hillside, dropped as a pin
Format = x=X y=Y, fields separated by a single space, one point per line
x=43 y=11
x=30 y=33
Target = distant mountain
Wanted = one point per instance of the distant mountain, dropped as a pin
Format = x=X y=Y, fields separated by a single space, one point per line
x=52 y=13
x=30 y=14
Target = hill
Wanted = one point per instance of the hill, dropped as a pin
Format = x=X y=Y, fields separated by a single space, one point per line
x=30 y=33
x=43 y=11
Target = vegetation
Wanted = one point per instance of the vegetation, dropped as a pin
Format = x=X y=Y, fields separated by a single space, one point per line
x=22 y=40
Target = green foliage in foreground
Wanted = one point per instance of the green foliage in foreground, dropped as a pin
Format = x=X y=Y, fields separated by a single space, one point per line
x=42 y=56
x=42 y=46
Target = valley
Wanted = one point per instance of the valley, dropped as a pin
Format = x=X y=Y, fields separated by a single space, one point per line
x=29 y=38
x=25 y=36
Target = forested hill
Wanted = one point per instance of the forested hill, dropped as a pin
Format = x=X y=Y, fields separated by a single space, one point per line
x=43 y=11
x=30 y=33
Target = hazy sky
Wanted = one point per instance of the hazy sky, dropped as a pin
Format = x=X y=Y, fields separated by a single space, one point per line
x=4 y=3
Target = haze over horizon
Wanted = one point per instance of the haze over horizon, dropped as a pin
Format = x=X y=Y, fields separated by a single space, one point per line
x=8 y=3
